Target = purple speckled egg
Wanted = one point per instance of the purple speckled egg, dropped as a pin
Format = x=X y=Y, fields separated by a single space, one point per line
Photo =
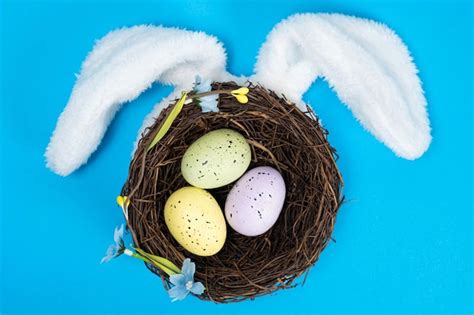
x=255 y=202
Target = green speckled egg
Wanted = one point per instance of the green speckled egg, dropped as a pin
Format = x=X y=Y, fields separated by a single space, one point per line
x=196 y=221
x=216 y=159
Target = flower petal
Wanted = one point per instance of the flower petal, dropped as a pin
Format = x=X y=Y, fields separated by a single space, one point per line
x=197 y=80
x=126 y=202
x=241 y=91
x=178 y=293
x=202 y=86
x=120 y=201
x=178 y=280
x=118 y=234
x=109 y=254
x=208 y=104
x=197 y=288
x=242 y=98
x=188 y=269
x=106 y=259
x=111 y=250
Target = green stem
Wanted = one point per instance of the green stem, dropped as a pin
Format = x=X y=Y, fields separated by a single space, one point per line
x=165 y=269
x=135 y=255
x=209 y=93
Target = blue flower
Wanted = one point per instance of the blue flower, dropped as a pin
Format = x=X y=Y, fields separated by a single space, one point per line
x=183 y=282
x=207 y=103
x=116 y=249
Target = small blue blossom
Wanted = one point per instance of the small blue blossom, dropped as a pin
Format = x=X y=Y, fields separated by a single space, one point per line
x=183 y=283
x=116 y=249
x=207 y=103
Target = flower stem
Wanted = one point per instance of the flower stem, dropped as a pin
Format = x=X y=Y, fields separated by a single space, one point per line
x=135 y=255
x=167 y=270
x=209 y=93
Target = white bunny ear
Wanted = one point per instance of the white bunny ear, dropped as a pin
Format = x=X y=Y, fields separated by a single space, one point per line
x=366 y=64
x=121 y=66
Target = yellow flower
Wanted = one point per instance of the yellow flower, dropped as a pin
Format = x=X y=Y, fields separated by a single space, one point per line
x=241 y=95
x=123 y=201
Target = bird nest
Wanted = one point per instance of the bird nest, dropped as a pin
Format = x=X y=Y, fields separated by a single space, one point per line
x=280 y=135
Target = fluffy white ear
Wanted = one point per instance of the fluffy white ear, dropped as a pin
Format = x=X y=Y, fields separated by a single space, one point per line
x=120 y=67
x=366 y=64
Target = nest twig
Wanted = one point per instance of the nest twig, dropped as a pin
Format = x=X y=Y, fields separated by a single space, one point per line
x=281 y=136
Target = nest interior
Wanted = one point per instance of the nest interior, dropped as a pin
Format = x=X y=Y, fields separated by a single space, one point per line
x=280 y=135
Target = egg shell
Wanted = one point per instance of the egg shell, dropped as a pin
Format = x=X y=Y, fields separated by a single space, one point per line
x=216 y=159
x=196 y=221
x=255 y=202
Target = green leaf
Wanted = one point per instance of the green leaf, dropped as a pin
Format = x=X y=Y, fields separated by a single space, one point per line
x=169 y=120
x=160 y=262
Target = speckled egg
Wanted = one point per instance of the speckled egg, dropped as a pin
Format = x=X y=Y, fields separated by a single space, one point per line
x=255 y=202
x=195 y=220
x=216 y=159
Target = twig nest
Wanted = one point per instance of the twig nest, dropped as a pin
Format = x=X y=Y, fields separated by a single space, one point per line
x=280 y=136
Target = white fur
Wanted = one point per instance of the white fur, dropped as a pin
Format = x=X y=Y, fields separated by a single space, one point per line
x=120 y=67
x=365 y=62
x=367 y=65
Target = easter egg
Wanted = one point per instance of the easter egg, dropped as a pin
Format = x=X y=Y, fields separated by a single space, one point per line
x=216 y=159
x=255 y=202
x=195 y=220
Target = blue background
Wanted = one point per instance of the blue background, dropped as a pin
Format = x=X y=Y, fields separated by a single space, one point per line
x=404 y=236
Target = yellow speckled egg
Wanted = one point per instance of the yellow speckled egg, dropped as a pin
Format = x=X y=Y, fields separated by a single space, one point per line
x=216 y=159
x=196 y=221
